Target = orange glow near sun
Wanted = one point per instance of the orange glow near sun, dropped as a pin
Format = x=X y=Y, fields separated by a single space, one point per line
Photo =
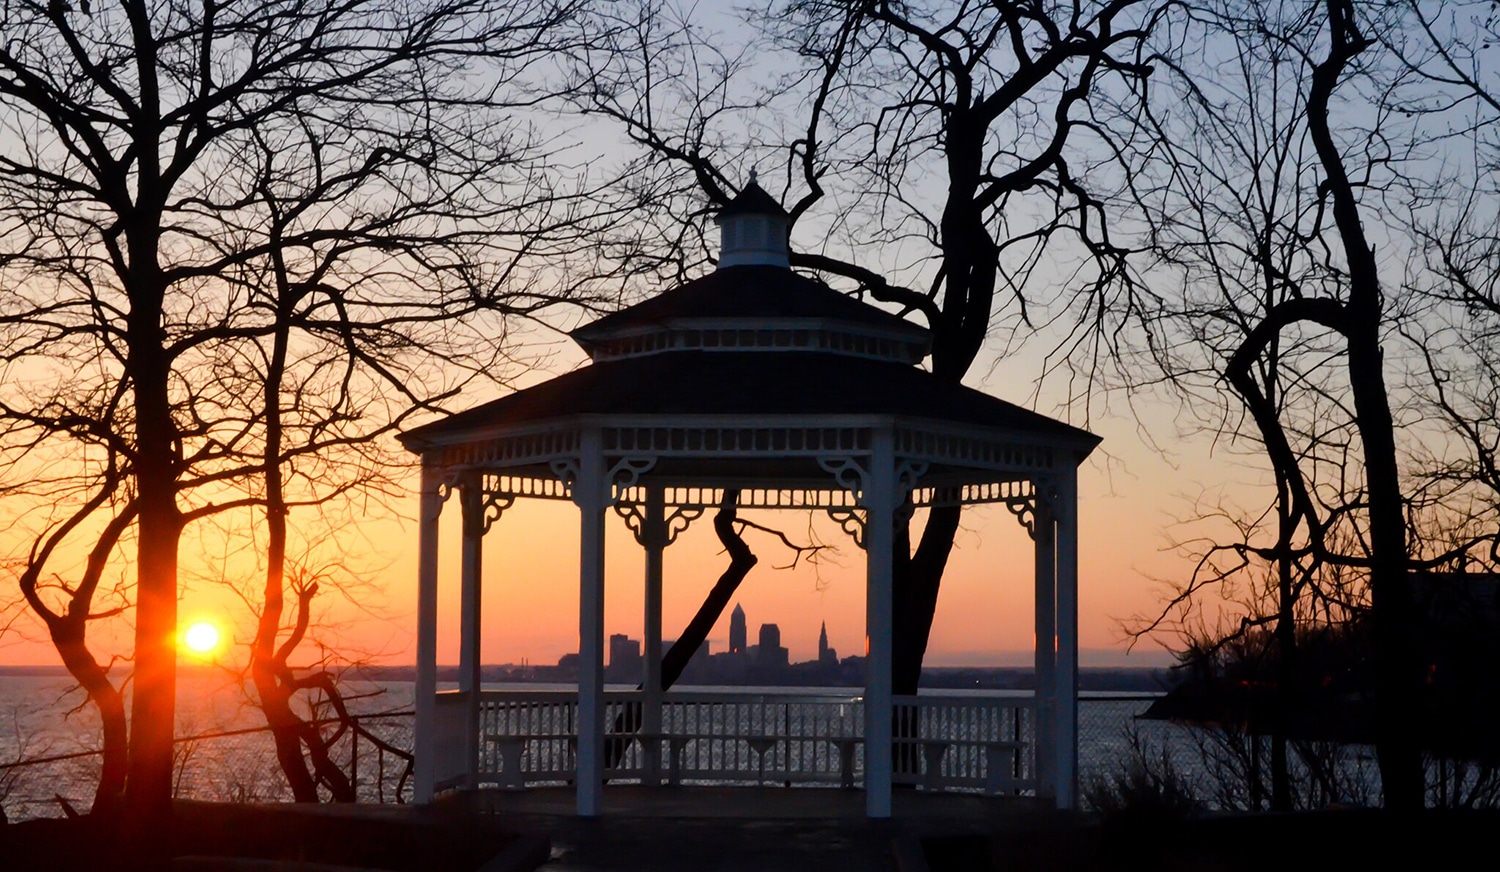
x=201 y=638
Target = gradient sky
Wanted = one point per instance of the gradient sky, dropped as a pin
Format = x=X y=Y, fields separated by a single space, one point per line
x=1130 y=494
x=1132 y=491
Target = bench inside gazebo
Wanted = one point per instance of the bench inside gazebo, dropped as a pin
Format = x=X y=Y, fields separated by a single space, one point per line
x=756 y=380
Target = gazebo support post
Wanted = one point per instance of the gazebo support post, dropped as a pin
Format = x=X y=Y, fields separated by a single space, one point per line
x=589 y=495
x=425 y=777
x=654 y=537
x=1046 y=644
x=1066 y=727
x=880 y=508
x=471 y=501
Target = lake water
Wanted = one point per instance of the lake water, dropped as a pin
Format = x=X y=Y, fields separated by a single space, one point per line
x=45 y=717
x=42 y=717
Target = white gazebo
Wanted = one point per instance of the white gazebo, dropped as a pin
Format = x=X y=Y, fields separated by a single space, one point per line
x=757 y=379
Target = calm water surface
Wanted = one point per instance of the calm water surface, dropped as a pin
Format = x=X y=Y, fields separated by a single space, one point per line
x=46 y=716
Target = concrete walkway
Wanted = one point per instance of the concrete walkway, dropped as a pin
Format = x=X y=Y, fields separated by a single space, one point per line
x=742 y=829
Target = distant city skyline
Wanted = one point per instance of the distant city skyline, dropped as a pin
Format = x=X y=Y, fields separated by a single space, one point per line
x=738 y=633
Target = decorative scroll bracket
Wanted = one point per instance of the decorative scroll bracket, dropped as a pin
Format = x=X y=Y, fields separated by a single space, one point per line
x=446 y=484
x=908 y=472
x=853 y=476
x=624 y=474
x=851 y=522
x=620 y=477
x=495 y=505
x=850 y=474
x=679 y=520
x=1029 y=507
x=566 y=471
x=1024 y=508
x=635 y=521
x=672 y=525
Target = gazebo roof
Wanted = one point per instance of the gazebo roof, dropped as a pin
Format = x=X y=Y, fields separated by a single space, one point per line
x=756 y=295
x=753 y=200
x=759 y=384
x=754 y=345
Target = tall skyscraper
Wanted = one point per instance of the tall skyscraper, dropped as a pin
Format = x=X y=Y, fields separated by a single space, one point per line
x=738 y=635
x=826 y=655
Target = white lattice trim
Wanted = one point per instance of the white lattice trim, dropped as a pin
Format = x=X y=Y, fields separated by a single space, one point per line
x=774 y=441
x=811 y=498
x=847 y=343
x=513 y=450
x=750 y=497
x=549 y=488
x=965 y=450
x=972 y=494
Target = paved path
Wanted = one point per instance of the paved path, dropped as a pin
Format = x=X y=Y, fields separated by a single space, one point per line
x=739 y=829
x=718 y=845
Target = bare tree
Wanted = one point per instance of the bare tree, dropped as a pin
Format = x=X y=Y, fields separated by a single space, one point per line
x=1228 y=213
x=179 y=183
x=1287 y=163
x=1454 y=272
x=955 y=138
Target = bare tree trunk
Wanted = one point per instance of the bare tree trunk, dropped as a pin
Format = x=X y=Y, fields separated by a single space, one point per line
x=287 y=729
x=153 y=703
x=69 y=632
x=741 y=561
x=68 y=638
x=915 y=590
x=1397 y=666
x=1288 y=680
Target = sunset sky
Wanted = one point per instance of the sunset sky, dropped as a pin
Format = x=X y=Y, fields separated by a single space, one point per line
x=1131 y=495
x=1138 y=484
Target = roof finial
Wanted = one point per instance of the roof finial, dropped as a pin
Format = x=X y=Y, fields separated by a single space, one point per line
x=752 y=177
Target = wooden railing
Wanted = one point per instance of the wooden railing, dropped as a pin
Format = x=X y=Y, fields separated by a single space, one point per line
x=943 y=741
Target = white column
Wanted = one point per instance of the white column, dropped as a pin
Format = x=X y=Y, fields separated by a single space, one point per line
x=426 y=690
x=1066 y=725
x=589 y=495
x=654 y=538
x=1046 y=645
x=880 y=509
x=472 y=503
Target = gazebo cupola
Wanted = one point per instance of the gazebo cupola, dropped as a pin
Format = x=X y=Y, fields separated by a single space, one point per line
x=754 y=381
x=753 y=230
x=753 y=302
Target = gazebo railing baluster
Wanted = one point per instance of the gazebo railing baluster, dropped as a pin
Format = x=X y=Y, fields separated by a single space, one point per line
x=719 y=737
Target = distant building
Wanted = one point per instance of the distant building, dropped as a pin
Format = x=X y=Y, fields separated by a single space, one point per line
x=770 y=652
x=624 y=654
x=826 y=655
x=737 y=632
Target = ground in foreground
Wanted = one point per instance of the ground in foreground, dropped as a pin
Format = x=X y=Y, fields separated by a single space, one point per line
x=246 y=837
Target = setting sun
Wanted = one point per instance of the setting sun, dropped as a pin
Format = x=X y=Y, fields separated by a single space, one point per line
x=201 y=638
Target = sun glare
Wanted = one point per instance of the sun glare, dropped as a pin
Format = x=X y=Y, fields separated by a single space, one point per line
x=201 y=638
